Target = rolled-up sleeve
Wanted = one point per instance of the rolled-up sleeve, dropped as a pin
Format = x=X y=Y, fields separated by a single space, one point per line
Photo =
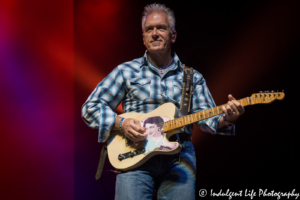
x=98 y=111
x=202 y=100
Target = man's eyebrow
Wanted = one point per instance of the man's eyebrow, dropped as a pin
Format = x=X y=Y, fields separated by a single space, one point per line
x=161 y=25
x=147 y=27
x=157 y=26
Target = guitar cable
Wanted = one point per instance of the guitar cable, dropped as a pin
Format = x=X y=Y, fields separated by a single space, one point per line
x=101 y=178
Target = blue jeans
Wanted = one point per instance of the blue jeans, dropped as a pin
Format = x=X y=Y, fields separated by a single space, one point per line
x=173 y=177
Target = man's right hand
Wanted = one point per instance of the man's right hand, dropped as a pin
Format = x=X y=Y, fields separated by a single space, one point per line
x=132 y=129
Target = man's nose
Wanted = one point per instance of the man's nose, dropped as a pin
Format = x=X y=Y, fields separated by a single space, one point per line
x=155 y=33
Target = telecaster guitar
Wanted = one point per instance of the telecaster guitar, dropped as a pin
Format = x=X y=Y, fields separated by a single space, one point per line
x=161 y=124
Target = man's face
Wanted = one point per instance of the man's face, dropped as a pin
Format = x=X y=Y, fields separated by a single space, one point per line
x=153 y=130
x=157 y=34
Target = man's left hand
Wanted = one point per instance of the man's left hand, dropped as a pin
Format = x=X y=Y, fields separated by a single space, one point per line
x=233 y=109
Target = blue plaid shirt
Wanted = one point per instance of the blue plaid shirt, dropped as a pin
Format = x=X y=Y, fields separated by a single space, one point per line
x=141 y=89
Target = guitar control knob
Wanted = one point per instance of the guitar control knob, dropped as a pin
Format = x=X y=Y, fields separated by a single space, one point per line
x=120 y=157
x=131 y=154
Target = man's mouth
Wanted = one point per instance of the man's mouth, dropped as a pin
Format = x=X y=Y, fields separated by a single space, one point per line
x=156 y=43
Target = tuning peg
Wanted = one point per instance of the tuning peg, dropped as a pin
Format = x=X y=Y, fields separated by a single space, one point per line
x=267 y=91
x=272 y=91
x=260 y=91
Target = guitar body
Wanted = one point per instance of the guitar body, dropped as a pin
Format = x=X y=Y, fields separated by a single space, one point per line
x=117 y=146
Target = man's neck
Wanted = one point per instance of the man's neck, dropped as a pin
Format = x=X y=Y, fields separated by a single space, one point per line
x=160 y=60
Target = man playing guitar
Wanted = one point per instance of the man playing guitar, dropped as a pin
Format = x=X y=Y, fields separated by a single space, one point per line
x=142 y=85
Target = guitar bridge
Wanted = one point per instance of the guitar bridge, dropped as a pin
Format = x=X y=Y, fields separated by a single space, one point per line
x=131 y=154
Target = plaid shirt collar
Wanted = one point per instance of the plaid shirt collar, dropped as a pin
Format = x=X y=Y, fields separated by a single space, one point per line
x=175 y=58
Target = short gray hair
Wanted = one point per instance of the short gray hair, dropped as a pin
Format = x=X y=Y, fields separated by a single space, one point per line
x=156 y=7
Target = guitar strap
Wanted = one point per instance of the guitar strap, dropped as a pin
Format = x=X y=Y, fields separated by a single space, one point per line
x=187 y=90
x=101 y=161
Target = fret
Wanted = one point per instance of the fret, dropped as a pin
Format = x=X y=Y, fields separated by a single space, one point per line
x=189 y=119
x=246 y=101
x=220 y=109
x=167 y=126
x=210 y=112
x=170 y=125
x=202 y=115
x=243 y=102
x=173 y=125
x=239 y=101
x=196 y=117
x=180 y=122
x=255 y=100
x=205 y=114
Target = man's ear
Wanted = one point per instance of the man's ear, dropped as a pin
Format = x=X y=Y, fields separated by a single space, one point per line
x=174 y=36
x=143 y=38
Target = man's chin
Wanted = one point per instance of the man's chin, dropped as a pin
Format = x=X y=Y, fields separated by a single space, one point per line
x=156 y=49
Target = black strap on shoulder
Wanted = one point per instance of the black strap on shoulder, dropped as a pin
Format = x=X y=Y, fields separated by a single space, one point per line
x=187 y=90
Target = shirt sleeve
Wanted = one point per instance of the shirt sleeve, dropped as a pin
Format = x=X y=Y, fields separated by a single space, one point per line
x=98 y=111
x=202 y=100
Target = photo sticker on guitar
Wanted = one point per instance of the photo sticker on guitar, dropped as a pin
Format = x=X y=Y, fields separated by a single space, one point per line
x=155 y=139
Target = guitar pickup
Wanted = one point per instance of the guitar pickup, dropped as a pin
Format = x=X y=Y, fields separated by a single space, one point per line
x=131 y=154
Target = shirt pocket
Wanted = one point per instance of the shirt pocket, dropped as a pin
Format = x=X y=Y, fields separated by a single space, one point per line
x=139 y=89
x=177 y=90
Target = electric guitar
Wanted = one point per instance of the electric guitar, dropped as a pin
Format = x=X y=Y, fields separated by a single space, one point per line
x=161 y=124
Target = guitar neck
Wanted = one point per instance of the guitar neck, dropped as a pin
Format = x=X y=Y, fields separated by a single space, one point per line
x=258 y=98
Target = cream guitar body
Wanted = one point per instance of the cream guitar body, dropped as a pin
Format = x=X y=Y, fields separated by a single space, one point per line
x=117 y=146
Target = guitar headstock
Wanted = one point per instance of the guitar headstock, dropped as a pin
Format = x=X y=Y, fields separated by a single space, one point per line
x=266 y=97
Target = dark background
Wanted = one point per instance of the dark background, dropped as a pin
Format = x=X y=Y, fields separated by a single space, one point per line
x=53 y=53
x=241 y=48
